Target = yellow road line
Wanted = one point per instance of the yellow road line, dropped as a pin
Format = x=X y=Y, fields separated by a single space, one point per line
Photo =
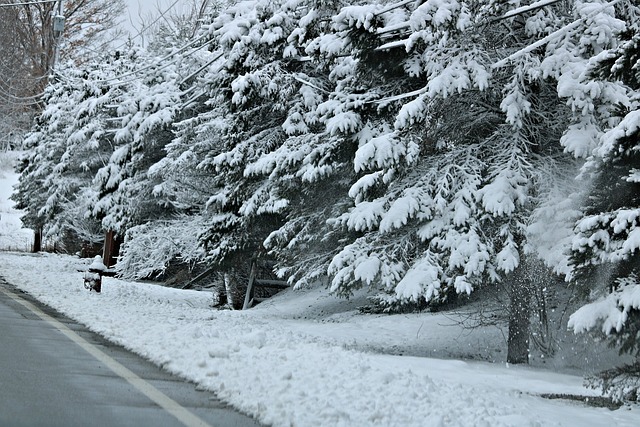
x=165 y=402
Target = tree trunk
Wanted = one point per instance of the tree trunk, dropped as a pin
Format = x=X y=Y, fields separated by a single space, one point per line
x=37 y=240
x=233 y=289
x=519 y=315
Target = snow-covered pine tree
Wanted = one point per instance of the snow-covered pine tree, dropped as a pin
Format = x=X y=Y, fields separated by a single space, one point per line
x=69 y=143
x=161 y=228
x=240 y=99
x=240 y=102
x=333 y=112
x=39 y=162
x=152 y=99
x=605 y=248
x=446 y=192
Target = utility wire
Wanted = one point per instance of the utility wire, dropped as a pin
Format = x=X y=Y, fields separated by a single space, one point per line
x=118 y=79
x=155 y=64
x=6 y=89
x=22 y=101
x=570 y=27
x=146 y=27
x=136 y=72
x=199 y=70
x=167 y=65
x=15 y=73
x=31 y=3
x=7 y=93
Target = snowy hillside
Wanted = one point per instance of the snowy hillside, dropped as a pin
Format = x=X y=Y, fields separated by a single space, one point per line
x=288 y=364
x=12 y=235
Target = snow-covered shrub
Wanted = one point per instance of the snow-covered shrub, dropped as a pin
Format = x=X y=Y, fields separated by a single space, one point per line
x=150 y=248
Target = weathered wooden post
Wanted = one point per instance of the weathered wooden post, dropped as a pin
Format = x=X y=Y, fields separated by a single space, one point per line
x=111 y=248
x=248 y=296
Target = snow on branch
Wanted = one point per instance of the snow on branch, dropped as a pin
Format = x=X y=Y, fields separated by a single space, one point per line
x=524 y=9
x=395 y=6
x=570 y=27
x=611 y=312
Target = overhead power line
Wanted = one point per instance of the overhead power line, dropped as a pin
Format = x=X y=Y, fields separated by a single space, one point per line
x=30 y=3
x=146 y=27
x=158 y=64
x=21 y=101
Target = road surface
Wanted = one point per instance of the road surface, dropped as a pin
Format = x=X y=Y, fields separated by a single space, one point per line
x=54 y=372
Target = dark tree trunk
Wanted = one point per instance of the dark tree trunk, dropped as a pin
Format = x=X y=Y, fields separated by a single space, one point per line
x=521 y=288
x=37 y=240
x=111 y=249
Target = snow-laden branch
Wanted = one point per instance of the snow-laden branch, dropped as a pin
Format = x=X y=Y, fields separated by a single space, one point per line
x=400 y=97
x=404 y=25
x=553 y=35
x=394 y=44
x=308 y=83
x=610 y=312
x=524 y=9
x=393 y=27
x=395 y=6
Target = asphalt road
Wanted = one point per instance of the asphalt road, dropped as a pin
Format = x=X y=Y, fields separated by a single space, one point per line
x=54 y=372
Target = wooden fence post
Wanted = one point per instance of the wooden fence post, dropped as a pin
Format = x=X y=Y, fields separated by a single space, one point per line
x=111 y=249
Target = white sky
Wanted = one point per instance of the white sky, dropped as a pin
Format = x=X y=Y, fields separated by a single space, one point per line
x=145 y=11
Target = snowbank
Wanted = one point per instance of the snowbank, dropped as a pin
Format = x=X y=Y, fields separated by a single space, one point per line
x=286 y=370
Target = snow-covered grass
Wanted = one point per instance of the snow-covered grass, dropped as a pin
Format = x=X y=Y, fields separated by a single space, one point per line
x=304 y=358
x=12 y=235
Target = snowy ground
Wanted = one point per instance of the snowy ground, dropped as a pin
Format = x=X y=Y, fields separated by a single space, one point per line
x=306 y=359
x=12 y=236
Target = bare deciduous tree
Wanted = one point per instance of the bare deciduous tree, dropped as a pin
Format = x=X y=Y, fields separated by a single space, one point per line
x=27 y=48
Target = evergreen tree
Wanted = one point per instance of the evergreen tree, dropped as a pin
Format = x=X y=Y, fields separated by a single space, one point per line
x=140 y=197
x=248 y=91
x=415 y=149
x=605 y=248
x=69 y=144
x=445 y=192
